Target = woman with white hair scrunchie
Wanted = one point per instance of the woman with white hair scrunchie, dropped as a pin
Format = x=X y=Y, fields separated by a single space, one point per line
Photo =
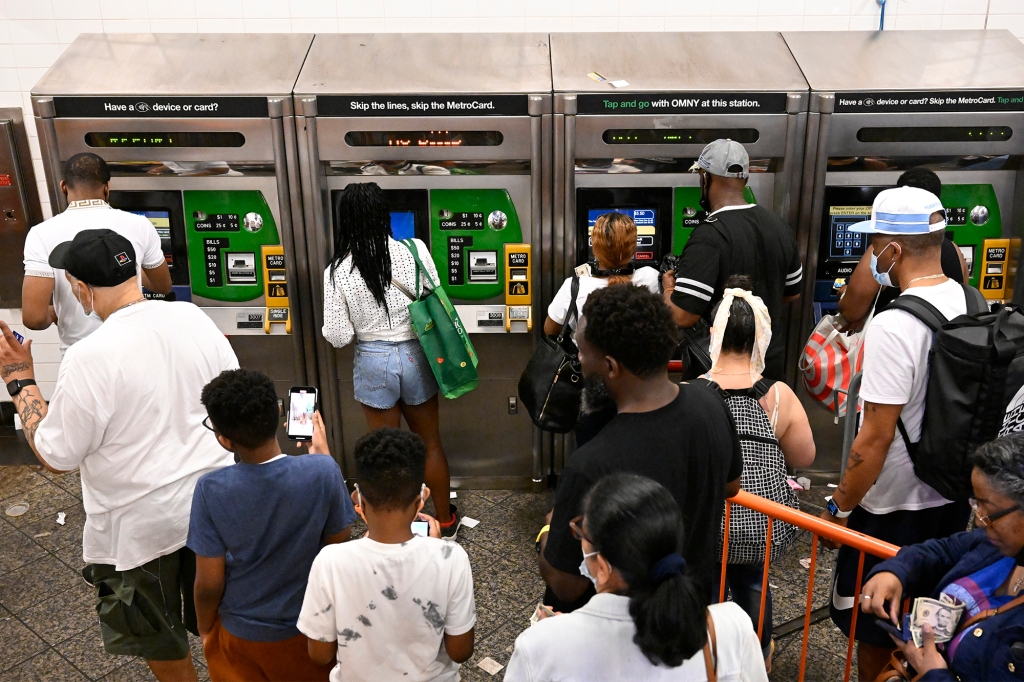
x=774 y=433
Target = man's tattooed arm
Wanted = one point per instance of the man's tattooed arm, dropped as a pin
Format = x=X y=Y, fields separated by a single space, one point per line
x=8 y=370
x=32 y=408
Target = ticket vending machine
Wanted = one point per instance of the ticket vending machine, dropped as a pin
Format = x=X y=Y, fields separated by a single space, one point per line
x=633 y=112
x=955 y=105
x=455 y=129
x=197 y=131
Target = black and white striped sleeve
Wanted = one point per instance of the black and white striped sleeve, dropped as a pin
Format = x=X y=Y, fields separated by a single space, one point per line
x=697 y=274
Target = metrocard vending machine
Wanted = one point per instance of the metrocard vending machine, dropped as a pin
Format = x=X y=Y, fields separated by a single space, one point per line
x=633 y=111
x=453 y=128
x=196 y=131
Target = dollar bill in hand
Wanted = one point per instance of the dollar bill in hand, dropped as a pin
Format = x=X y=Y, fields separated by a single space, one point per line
x=941 y=616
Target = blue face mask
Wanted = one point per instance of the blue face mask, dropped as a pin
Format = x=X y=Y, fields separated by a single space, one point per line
x=881 y=277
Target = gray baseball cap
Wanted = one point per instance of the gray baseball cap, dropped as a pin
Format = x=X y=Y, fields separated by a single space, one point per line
x=724 y=158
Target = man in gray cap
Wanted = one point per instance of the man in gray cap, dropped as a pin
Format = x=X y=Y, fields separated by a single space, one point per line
x=126 y=411
x=734 y=238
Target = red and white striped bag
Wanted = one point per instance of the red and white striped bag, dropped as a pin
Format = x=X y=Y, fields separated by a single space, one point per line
x=829 y=361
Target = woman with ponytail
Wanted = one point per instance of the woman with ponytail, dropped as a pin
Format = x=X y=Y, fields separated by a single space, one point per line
x=649 y=619
x=365 y=299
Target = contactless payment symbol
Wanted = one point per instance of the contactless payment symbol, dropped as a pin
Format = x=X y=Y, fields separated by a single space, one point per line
x=142 y=107
x=122 y=258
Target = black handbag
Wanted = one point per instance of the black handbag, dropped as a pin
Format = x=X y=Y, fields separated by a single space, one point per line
x=694 y=350
x=551 y=386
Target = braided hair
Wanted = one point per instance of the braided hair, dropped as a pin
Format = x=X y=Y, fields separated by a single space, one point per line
x=362 y=226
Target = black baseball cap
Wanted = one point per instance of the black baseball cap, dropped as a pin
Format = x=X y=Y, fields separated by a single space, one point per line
x=100 y=258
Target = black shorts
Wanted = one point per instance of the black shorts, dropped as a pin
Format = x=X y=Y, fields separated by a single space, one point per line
x=145 y=611
x=903 y=527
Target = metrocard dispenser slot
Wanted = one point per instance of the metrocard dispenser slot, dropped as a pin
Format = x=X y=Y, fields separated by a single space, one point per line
x=275 y=282
x=518 y=288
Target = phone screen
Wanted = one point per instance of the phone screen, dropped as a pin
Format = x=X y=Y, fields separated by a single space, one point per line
x=300 y=413
x=421 y=528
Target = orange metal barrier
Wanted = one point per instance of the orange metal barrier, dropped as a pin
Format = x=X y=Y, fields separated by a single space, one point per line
x=817 y=527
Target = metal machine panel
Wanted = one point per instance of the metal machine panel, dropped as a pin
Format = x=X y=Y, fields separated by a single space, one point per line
x=19 y=204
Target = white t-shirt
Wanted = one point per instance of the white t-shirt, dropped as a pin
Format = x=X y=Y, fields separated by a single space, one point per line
x=126 y=411
x=896 y=346
x=350 y=309
x=73 y=324
x=596 y=643
x=559 y=308
x=389 y=607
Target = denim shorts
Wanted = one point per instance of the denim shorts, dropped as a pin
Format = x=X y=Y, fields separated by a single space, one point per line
x=385 y=371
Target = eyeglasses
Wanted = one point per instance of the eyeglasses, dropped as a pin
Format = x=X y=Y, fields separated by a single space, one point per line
x=208 y=424
x=986 y=521
x=576 y=528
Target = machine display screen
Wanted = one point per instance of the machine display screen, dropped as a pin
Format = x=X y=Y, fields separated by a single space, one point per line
x=424 y=138
x=161 y=221
x=845 y=245
x=678 y=135
x=148 y=139
x=646 y=220
x=403 y=225
x=936 y=134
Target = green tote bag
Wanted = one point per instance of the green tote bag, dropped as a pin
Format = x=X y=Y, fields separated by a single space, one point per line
x=444 y=340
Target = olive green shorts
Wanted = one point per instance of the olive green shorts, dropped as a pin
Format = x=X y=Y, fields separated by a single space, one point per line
x=146 y=611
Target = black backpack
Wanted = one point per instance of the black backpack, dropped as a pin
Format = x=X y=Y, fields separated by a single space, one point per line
x=975 y=366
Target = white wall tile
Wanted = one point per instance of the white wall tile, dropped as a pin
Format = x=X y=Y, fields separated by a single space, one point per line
x=734 y=23
x=550 y=24
x=219 y=9
x=454 y=24
x=642 y=23
x=68 y=29
x=687 y=8
x=9 y=80
x=502 y=8
x=29 y=9
x=46 y=352
x=965 y=6
x=6 y=54
x=173 y=25
x=595 y=8
x=641 y=8
x=10 y=315
x=454 y=8
x=502 y=24
x=172 y=9
x=362 y=24
x=126 y=26
x=406 y=8
x=734 y=8
x=264 y=9
x=124 y=9
x=1006 y=7
x=829 y=7
x=313 y=8
x=408 y=24
x=869 y=8
x=76 y=9
x=46 y=371
x=595 y=23
x=963 y=21
x=777 y=8
x=360 y=8
x=315 y=25
x=687 y=23
x=221 y=25
x=1014 y=22
x=903 y=7
x=32 y=31
x=826 y=23
x=780 y=23
x=869 y=23
x=268 y=25
x=35 y=56
x=548 y=8
x=918 y=22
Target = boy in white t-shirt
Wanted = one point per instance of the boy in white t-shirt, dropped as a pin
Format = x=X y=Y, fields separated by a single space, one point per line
x=46 y=295
x=879 y=493
x=390 y=605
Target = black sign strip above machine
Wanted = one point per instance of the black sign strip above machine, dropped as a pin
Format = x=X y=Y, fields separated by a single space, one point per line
x=682 y=103
x=161 y=107
x=978 y=101
x=422 y=105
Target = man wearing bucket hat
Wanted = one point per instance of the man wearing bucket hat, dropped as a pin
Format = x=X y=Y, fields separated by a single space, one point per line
x=879 y=494
x=734 y=238
x=126 y=411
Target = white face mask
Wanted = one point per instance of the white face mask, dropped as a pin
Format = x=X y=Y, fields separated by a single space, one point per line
x=585 y=571
x=882 y=278
x=91 y=313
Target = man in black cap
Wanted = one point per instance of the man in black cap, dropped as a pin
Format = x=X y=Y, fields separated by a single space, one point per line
x=735 y=238
x=126 y=411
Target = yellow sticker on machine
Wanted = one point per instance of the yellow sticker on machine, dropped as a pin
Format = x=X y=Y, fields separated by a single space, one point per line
x=849 y=210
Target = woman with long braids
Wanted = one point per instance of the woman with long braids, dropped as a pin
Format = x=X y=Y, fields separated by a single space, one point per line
x=649 y=619
x=364 y=299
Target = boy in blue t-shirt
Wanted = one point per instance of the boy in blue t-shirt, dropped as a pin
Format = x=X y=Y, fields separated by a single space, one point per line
x=256 y=528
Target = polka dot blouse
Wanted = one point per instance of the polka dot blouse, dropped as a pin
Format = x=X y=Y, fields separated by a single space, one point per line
x=351 y=311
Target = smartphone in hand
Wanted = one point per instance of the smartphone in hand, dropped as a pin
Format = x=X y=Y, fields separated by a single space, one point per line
x=302 y=403
x=421 y=528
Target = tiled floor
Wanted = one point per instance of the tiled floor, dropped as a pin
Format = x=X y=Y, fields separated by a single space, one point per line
x=48 y=628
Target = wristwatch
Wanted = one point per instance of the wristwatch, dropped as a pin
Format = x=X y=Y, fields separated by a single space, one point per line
x=14 y=387
x=834 y=509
